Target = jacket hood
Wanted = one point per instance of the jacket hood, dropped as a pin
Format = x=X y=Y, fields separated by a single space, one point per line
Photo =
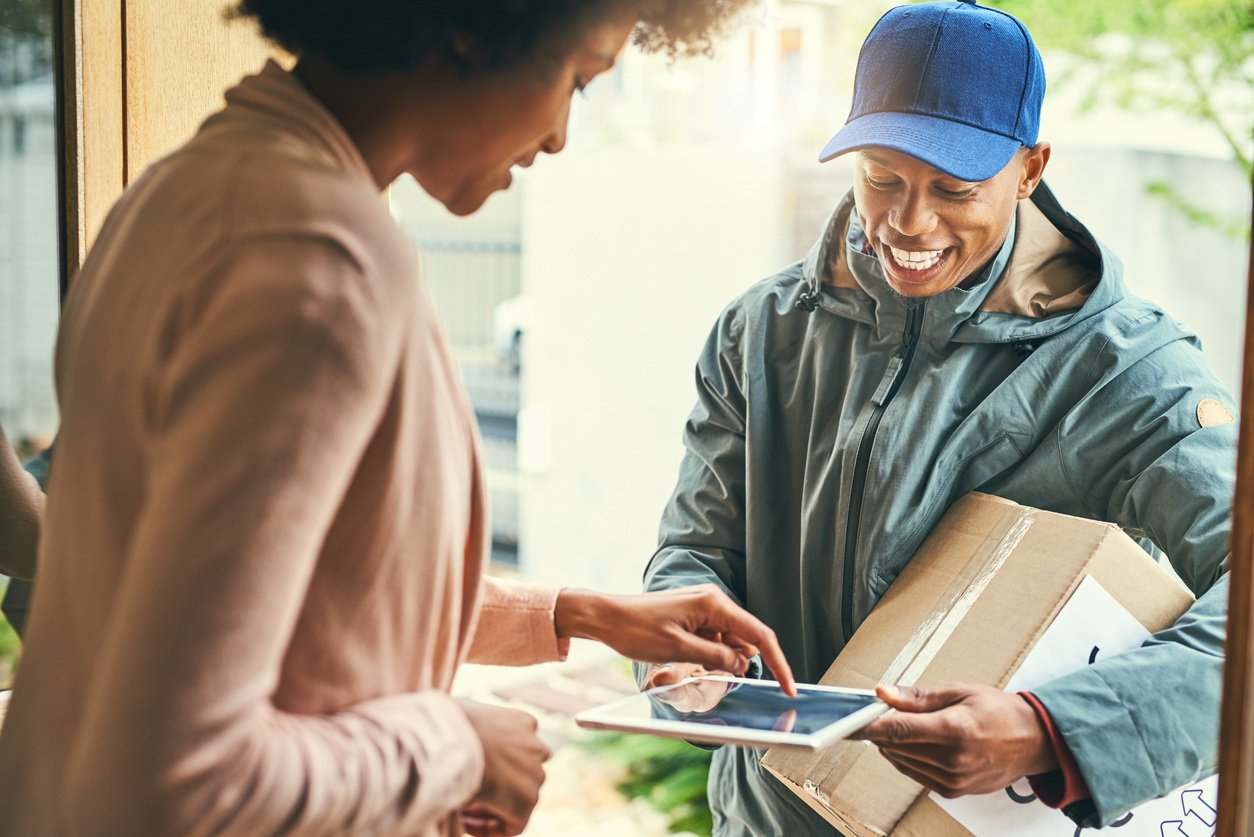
x=1050 y=273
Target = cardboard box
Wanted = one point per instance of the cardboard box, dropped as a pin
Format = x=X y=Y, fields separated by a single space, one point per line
x=969 y=606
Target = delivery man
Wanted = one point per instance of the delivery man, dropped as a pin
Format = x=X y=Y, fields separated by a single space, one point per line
x=955 y=329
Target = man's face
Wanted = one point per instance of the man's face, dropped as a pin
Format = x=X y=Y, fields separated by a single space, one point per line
x=931 y=231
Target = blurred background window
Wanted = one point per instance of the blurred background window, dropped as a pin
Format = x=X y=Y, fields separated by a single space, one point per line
x=29 y=282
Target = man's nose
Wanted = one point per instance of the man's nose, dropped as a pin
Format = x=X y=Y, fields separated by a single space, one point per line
x=912 y=216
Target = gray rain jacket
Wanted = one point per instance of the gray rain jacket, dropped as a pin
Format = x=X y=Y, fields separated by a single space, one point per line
x=825 y=445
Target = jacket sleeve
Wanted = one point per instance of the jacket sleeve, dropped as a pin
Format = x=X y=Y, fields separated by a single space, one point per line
x=258 y=418
x=17 y=595
x=702 y=536
x=516 y=626
x=1143 y=723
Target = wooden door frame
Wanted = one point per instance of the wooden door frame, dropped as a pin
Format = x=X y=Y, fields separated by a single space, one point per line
x=135 y=78
x=91 y=118
x=1236 y=729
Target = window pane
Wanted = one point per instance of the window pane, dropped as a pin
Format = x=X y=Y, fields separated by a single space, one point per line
x=28 y=237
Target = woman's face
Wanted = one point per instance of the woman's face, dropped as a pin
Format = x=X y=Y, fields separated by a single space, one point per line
x=495 y=122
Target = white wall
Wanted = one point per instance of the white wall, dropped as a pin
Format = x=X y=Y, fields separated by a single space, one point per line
x=1197 y=274
x=627 y=259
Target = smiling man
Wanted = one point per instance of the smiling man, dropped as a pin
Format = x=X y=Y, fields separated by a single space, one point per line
x=955 y=329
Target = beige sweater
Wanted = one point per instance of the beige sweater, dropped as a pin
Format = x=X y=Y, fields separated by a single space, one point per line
x=265 y=529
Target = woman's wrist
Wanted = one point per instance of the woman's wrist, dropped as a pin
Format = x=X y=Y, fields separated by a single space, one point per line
x=577 y=614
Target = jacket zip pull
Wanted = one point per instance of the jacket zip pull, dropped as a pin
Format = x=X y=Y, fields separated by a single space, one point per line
x=886 y=383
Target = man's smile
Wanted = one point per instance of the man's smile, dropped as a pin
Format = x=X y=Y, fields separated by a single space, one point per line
x=914 y=266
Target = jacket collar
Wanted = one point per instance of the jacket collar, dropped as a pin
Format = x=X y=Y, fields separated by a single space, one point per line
x=1050 y=273
x=274 y=100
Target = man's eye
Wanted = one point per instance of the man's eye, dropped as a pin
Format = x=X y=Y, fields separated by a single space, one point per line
x=956 y=193
x=876 y=183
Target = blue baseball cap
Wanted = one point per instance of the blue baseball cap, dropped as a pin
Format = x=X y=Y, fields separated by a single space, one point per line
x=956 y=85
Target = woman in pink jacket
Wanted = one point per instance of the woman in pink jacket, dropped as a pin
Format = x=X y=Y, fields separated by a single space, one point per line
x=265 y=532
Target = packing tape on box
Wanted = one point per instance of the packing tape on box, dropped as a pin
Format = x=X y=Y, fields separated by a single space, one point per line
x=927 y=640
x=963 y=593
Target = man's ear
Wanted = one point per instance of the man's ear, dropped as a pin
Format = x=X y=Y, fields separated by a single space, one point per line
x=1034 y=161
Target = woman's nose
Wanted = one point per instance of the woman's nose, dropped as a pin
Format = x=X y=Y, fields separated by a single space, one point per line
x=556 y=140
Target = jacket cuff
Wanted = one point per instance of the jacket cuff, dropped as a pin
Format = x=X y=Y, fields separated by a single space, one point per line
x=1065 y=786
x=1094 y=723
x=517 y=625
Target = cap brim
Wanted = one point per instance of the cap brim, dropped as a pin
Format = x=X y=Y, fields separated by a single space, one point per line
x=960 y=151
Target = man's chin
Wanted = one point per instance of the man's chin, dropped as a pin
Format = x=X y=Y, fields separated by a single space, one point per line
x=922 y=290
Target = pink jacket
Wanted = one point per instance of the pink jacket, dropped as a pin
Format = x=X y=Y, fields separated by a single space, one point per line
x=265 y=530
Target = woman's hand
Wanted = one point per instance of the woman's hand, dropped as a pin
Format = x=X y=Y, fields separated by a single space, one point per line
x=513 y=770
x=697 y=624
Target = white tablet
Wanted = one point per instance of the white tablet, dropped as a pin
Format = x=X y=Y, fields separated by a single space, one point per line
x=736 y=710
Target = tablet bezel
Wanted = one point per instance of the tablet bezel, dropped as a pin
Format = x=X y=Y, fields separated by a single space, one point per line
x=603 y=717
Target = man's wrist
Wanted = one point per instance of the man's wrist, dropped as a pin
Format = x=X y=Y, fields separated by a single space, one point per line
x=1043 y=758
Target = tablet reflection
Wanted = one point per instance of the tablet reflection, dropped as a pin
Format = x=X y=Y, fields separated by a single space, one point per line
x=728 y=703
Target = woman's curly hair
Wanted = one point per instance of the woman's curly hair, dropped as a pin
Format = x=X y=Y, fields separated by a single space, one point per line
x=476 y=35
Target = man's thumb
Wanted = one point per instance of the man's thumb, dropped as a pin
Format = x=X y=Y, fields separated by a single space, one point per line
x=916 y=699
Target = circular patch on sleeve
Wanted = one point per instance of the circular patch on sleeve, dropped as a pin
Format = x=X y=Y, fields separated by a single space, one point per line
x=1211 y=411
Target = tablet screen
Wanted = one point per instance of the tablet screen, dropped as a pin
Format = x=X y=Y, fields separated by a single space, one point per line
x=752 y=705
x=740 y=711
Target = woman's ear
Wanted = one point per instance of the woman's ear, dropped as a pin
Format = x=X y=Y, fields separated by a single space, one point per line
x=1034 y=162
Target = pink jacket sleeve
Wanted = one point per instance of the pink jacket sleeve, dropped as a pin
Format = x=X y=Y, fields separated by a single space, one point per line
x=258 y=422
x=516 y=626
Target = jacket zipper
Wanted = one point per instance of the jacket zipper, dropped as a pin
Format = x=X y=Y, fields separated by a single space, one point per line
x=899 y=365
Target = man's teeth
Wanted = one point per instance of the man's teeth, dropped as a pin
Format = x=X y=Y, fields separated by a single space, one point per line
x=916 y=260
